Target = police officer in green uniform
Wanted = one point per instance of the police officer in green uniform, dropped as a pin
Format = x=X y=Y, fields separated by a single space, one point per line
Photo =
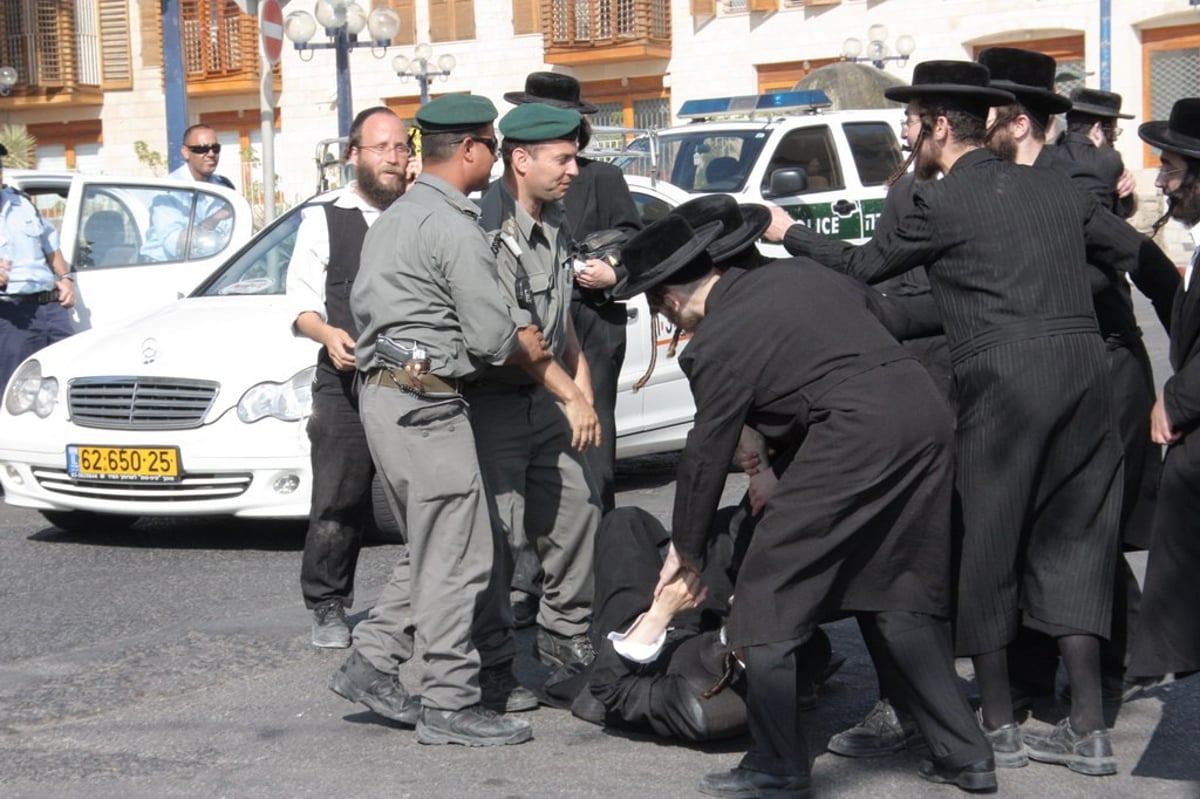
x=431 y=314
x=531 y=437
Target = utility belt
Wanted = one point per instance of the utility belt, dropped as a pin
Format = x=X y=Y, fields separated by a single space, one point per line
x=421 y=385
x=35 y=297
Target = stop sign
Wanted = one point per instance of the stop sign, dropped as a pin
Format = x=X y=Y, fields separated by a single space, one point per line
x=271 y=24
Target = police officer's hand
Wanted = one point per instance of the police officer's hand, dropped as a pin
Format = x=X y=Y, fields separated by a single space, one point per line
x=533 y=343
x=781 y=221
x=340 y=346
x=1161 y=431
x=585 y=424
x=66 y=292
x=596 y=275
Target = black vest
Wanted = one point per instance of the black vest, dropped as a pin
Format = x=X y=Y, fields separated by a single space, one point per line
x=347 y=229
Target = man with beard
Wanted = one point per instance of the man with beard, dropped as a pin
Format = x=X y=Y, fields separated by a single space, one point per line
x=322 y=269
x=531 y=431
x=1017 y=133
x=430 y=314
x=1091 y=139
x=859 y=520
x=1168 y=636
x=1038 y=464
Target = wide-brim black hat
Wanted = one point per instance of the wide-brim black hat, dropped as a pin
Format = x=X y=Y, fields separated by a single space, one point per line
x=1097 y=103
x=1180 y=134
x=663 y=249
x=741 y=225
x=551 y=88
x=964 y=81
x=1028 y=75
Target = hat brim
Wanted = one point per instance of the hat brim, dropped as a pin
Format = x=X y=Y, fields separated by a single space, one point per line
x=1098 y=111
x=1159 y=134
x=1037 y=99
x=755 y=220
x=521 y=98
x=983 y=94
x=662 y=271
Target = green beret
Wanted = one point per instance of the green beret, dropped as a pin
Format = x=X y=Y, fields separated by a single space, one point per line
x=454 y=112
x=534 y=122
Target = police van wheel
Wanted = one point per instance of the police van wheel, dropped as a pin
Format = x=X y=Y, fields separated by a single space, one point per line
x=386 y=527
x=83 y=521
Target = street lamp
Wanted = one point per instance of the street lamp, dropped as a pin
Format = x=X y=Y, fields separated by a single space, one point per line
x=343 y=21
x=8 y=79
x=878 y=51
x=418 y=67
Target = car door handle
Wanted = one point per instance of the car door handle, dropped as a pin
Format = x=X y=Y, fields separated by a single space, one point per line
x=843 y=207
x=631 y=314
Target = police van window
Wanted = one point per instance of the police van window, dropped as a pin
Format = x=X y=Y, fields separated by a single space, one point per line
x=875 y=149
x=702 y=161
x=650 y=209
x=811 y=149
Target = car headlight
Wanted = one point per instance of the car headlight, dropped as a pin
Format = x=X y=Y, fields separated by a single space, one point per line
x=289 y=401
x=29 y=391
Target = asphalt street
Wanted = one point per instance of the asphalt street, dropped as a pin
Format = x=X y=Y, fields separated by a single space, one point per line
x=173 y=661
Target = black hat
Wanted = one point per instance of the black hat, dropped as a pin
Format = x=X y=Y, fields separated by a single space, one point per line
x=741 y=225
x=1028 y=75
x=551 y=88
x=962 y=83
x=1097 y=103
x=664 y=249
x=3 y=151
x=1181 y=134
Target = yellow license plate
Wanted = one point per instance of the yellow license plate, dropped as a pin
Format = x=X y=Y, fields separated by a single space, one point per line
x=123 y=463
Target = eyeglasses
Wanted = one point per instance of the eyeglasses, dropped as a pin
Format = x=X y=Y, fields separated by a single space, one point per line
x=906 y=123
x=488 y=142
x=204 y=149
x=381 y=150
x=1163 y=172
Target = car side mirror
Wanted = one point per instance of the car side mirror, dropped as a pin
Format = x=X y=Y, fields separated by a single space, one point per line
x=786 y=182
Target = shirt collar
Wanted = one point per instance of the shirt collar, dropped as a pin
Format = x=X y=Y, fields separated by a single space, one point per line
x=552 y=215
x=350 y=198
x=452 y=195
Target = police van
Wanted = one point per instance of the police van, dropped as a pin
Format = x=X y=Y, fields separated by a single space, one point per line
x=829 y=169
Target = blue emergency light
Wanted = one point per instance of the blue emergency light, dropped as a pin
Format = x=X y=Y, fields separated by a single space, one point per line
x=751 y=104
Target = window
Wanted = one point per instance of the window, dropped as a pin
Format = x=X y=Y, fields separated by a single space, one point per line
x=451 y=20
x=262 y=269
x=56 y=45
x=709 y=162
x=875 y=149
x=1170 y=70
x=527 y=16
x=812 y=150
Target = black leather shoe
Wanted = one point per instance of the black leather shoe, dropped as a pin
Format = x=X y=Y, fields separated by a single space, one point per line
x=1007 y=748
x=559 y=650
x=880 y=733
x=471 y=726
x=1084 y=753
x=359 y=681
x=743 y=783
x=501 y=691
x=978 y=777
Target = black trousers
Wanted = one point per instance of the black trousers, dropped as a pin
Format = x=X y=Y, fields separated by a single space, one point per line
x=916 y=659
x=341 y=493
x=601 y=333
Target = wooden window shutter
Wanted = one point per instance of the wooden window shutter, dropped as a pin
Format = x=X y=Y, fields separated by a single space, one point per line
x=114 y=45
x=764 y=5
x=441 y=21
x=150 y=12
x=407 y=34
x=464 y=19
x=53 y=35
x=704 y=8
x=527 y=16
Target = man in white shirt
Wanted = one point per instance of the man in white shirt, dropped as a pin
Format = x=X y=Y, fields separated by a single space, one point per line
x=324 y=264
x=170 y=213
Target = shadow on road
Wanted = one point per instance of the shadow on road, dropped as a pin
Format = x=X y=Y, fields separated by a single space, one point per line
x=189 y=533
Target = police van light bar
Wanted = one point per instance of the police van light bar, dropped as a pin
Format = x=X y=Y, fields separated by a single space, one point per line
x=751 y=104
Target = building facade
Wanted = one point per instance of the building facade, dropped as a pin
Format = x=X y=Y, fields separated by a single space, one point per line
x=90 y=73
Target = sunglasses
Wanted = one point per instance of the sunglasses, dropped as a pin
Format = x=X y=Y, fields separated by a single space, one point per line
x=204 y=149
x=486 y=141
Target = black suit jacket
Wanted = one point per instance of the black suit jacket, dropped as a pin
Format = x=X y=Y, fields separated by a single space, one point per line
x=599 y=199
x=1181 y=394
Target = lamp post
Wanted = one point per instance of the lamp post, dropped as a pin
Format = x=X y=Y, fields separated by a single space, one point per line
x=343 y=21
x=8 y=79
x=878 y=52
x=418 y=67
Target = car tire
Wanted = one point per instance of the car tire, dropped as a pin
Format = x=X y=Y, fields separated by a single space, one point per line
x=84 y=521
x=386 y=528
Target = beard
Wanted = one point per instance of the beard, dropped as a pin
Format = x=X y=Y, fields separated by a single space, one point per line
x=1002 y=144
x=377 y=192
x=1183 y=204
x=926 y=167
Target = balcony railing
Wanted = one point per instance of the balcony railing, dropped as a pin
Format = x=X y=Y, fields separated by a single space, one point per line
x=594 y=31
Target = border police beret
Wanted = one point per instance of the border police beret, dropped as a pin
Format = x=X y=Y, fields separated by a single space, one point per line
x=455 y=112
x=536 y=122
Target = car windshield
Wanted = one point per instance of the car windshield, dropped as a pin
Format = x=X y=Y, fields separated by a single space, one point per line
x=700 y=161
x=260 y=268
